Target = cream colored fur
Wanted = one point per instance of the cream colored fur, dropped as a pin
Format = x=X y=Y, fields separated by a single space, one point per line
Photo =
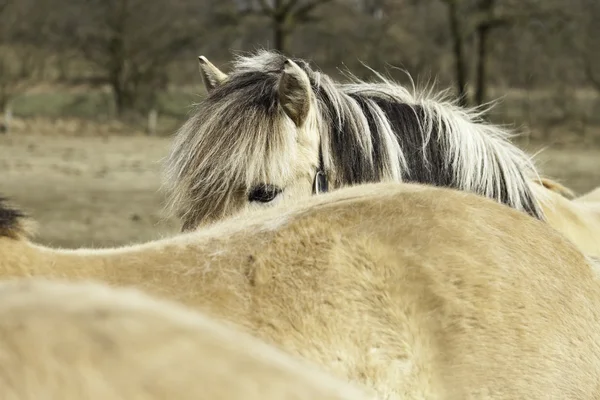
x=415 y=291
x=578 y=219
x=592 y=196
x=75 y=341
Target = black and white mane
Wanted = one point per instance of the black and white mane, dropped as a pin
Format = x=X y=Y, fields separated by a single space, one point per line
x=368 y=132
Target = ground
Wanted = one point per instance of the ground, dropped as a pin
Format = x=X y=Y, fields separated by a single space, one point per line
x=87 y=191
x=105 y=191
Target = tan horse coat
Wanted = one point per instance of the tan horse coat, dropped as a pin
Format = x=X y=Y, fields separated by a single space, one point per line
x=590 y=197
x=578 y=219
x=418 y=292
x=64 y=341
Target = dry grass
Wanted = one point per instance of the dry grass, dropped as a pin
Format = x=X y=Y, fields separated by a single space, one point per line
x=87 y=191
x=104 y=191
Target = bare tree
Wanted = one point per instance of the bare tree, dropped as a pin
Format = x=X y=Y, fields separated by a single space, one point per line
x=19 y=67
x=138 y=46
x=284 y=16
x=459 y=34
x=474 y=21
x=589 y=43
x=21 y=61
x=131 y=42
x=483 y=31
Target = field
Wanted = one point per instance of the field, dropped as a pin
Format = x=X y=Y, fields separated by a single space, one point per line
x=87 y=191
x=105 y=191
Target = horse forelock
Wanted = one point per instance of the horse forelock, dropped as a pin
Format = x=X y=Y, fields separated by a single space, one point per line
x=369 y=132
x=237 y=137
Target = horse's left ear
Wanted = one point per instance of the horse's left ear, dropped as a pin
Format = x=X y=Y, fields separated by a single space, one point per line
x=211 y=75
x=295 y=92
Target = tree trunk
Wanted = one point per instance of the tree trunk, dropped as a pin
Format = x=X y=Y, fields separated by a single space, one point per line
x=482 y=46
x=280 y=35
x=3 y=102
x=460 y=65
x=124 y=96
x=483 y=31
x=277 y=21
x=116 y=48
x=119 y=100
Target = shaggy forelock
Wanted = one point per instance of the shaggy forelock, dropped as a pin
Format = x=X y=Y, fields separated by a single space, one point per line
x=237 y=138
x=369 y=132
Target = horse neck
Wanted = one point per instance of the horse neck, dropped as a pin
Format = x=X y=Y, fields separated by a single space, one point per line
x=198 y=271
x=193 y=271
x=21 y=258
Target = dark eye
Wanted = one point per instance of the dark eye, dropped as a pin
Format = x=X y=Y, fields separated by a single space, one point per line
x=263 y=193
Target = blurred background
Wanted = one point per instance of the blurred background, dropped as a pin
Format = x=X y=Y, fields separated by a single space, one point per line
x=91 y=91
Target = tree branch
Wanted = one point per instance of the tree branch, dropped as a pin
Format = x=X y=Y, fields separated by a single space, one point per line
x=286 y=9
x=490 y=19
x=266 y=9
x=303 y=11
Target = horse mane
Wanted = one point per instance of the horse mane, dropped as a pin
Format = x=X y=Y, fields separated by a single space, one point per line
x=14 y=223
x=369 y=132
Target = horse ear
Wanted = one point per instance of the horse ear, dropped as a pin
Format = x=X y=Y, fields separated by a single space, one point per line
x=294 y=92
x=211 y=75
x=557 y=187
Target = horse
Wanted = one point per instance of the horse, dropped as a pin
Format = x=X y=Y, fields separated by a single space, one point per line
x=578 y=221
x=592 y=196
x=70 y=341
x=589 y=197
x=577 y=218
x=413 y=291
x=276 y=129
x=557 y=187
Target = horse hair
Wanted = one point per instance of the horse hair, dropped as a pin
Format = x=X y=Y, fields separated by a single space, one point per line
x=12 y=221
x=369 y=132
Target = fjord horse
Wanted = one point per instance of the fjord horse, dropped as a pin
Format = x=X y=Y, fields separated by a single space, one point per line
x=411 y=290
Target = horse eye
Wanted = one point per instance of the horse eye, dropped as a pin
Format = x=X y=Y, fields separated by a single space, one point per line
x=263 y=193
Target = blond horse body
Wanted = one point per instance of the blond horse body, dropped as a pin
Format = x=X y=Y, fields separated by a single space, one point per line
x=73 y=341
x=577 y=218
x=417 y=292
x=590 y=197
